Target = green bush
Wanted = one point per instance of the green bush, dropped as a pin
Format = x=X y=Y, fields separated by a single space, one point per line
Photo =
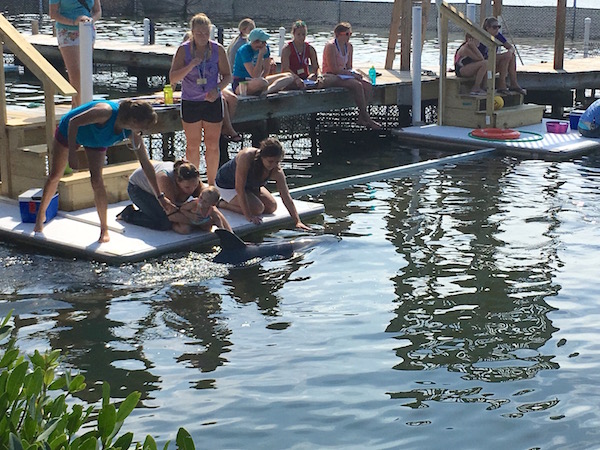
x=34 y=413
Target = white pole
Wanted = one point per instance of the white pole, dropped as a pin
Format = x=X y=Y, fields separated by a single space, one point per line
x=471 y=12
x=416 y=72
x=440 y=107
x=281 y=39
x=213 y=32
x=86 y=49
x=586 y=37
x=146 y=31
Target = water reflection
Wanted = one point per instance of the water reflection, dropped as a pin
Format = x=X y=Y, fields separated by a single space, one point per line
x=472 y=298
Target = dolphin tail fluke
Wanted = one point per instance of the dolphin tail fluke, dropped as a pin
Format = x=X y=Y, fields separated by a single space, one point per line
x=229 y=241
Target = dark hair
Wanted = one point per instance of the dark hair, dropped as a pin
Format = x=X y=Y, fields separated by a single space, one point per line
x=268 y=148
x=185 y=170
x=139 y=111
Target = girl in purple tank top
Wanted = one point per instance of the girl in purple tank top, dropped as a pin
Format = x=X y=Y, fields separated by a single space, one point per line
x=202 y=68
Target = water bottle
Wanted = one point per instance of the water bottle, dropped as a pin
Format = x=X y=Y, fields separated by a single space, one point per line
x=168 y=91
x=373 y=75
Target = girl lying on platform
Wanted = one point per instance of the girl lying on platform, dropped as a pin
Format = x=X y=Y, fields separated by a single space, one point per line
x=177 y=183
x=96 y=126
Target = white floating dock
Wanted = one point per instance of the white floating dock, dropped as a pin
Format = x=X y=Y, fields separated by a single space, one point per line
x=552 y=146
x=76 y=233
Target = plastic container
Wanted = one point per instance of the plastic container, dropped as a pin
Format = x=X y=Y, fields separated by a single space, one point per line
x=29 y=204
x=574 y=118
x=557 y=127
x=373 y=75
x=168 y=91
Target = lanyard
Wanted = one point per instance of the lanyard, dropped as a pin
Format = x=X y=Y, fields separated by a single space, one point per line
x=343 y=55
x=300 y=59
x=202 y=68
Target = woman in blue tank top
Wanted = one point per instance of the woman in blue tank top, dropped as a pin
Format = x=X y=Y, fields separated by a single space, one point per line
x=241 y=183
x=203 y=69
x=96 y=126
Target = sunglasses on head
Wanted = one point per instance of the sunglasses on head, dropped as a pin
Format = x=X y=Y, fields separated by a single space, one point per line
x=299 y=23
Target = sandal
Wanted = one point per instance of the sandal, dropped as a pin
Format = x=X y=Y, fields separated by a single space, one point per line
x=519 y=89
x=125 y=215
x=233 y=138
x=503 y=91
x=478 y=92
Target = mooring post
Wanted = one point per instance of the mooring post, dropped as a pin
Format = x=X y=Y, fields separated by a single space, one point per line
x=35 y=26
x=281 y=39
x=86 y=49
x=586 y=37
x=416 y=64
x=146 y=31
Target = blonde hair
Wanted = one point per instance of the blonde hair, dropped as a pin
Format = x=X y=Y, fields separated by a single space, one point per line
x=213 y=194
x=199 y=19
x=342 y=27
x=299 y=24
x=245 y=23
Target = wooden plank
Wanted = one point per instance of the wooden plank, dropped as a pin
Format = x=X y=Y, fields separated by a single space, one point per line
x=393 y=36
x=559 y=36
x=405 y=35
x=497 y=12
x=34 y=61
x=4 y=154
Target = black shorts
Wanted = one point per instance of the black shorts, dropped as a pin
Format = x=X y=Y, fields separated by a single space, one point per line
x=192 y=112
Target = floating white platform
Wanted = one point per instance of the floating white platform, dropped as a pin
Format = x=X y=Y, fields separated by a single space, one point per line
x=76 y=233
x=550 y=146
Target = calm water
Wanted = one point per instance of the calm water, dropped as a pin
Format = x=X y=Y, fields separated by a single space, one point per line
x=459 y=309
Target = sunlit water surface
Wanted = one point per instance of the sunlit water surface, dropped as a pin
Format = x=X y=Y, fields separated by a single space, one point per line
x=458 y=310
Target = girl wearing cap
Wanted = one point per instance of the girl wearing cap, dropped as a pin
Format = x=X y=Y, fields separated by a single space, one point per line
x=253 y=65
x=298 y=56
x=202 y=67
x=337 y=70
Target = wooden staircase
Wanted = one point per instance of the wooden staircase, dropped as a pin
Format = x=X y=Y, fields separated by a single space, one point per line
x=468 y=111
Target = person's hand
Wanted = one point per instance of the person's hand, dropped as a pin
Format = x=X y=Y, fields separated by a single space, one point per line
x=256 y=220
x=301 y=225
x=212 y=95
x=83 y=19
x=196 y=60
x=262 y=51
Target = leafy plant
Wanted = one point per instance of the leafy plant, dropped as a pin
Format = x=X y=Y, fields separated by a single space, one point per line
x=35 y=414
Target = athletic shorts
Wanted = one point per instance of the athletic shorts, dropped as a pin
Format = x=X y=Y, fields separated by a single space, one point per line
x=70 y=38
x=65 y=142
x=192 y=112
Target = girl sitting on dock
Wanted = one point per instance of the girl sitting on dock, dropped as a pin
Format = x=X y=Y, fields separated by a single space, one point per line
x=253 y=65
x=506 y=62
x=469 y=62
x=177 y=182
x=245 y=27
x=298 y=56
x=67 y=14
x=337 y=70
x=241 y=183
x=202 y=67
x=96 y=126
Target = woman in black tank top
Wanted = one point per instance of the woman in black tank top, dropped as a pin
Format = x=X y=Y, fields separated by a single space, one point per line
x=253 y=168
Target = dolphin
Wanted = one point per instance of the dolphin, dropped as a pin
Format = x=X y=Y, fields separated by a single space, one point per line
x=235 y=251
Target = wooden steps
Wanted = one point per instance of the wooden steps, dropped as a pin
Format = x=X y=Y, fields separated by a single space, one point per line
x=29 y=168
x=75 y=190
x=464 y=110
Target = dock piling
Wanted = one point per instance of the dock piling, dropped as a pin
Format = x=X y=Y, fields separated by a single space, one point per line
x=281 y=39
x=86 y=30
x=416 y=72
x=586 y=37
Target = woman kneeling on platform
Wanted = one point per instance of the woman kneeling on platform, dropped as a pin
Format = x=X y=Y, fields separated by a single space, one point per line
x=177 y=182
x=241 y=182
x=96 y=126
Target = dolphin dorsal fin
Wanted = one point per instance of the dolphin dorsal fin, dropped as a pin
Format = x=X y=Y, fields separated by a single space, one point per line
x=229 y=240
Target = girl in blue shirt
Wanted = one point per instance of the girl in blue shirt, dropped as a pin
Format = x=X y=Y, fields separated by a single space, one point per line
x=96 y=126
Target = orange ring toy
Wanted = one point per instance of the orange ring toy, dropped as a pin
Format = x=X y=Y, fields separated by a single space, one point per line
x=499 y=134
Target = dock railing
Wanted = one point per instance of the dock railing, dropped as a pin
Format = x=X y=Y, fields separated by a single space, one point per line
x=448 y=13
x=52 y=82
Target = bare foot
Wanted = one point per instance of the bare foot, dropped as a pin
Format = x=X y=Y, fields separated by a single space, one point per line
x=39 y=224
x=369 y=123
x=104 y=236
